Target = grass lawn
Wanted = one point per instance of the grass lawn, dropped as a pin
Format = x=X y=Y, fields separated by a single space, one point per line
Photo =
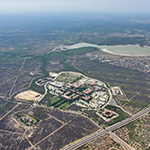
x=59 y=103
x=65 y=105
x=120 y=112
x=62 y=76
x=54 y=100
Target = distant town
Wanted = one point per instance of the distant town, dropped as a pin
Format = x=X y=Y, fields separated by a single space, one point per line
x=135 y=63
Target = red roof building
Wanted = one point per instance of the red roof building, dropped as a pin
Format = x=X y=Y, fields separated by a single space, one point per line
x=72 y=90
x=67 y=93
x=91 y=83
x=88 y=91
x=76 y=85
x=108 y=114
x=97 y=88
x=76 y=96
x=79 y=93
x=66 y=97
x=86 y=98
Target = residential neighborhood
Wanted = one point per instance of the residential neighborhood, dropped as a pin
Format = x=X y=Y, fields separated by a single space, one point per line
x=140 y=64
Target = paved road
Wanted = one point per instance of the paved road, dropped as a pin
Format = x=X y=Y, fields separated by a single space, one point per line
x=107 y=130
x=125 y=145
x=43 y=94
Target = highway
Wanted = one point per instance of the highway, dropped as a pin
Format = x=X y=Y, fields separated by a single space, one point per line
x=93 y=136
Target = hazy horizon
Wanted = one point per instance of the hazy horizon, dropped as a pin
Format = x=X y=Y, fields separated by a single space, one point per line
x=66 y=6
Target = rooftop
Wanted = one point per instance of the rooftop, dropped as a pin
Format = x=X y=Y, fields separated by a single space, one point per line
x=86 y=98
x=88 y=91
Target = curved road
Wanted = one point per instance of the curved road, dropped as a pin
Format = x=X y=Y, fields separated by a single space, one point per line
x=107 y=130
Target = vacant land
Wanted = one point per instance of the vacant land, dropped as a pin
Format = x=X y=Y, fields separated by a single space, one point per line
x=102 y=143
x=135 y=89
x=7 y=106
x=136 y=133
x=74 y=107
x=54 y=128
x=28 y=95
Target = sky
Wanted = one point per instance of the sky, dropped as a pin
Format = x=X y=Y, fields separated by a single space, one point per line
x=29 y=6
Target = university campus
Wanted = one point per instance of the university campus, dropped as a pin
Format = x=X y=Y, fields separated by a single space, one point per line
x=67 y=89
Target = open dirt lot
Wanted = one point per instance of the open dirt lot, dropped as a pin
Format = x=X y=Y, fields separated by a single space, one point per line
x=29 y=95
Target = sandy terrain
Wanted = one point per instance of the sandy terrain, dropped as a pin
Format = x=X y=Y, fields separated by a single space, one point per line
x=29 y=95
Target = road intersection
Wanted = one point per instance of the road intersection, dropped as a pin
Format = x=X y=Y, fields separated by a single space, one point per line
x=106 y=130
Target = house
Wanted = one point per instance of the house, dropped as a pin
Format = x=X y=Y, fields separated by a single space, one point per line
x=103 y=89
x=94 y=101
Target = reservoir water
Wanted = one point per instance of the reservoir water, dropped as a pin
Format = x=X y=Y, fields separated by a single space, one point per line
x=128 y=50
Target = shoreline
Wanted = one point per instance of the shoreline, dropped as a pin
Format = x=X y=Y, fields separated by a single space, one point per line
x=114 y=50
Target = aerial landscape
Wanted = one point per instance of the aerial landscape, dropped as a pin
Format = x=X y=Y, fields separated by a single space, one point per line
x=74 y=75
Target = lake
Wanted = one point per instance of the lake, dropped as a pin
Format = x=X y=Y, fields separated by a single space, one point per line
x=127 y=50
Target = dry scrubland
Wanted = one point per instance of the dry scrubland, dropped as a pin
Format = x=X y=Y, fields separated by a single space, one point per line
x=54 y=129
x=102 y=143
x=137 y=133
x=29 y=53
x=134 y=84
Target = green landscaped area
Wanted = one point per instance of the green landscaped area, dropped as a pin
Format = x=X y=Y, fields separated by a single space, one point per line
x=64 y=105
x=68 y=78
x=73 y=78
x=62 y=77
x=122 y=115
x=34 y=120
x=57 y=102
x=119 y=111
x=79 y=88
x=49 y=100
x=54 y=100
